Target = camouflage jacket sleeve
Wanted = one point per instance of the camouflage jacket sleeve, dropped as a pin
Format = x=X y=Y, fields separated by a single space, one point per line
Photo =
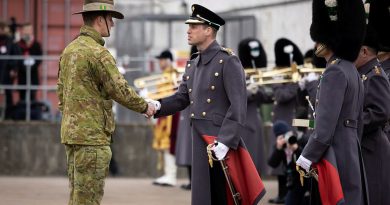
x=60 y=90
x=117 y=87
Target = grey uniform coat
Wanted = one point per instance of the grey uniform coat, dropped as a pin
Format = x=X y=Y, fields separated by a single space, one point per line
x=386 y=67
x=375 y=144
x=214 y=88
x=285 y=103
x=184 y=140
x=253 y=134
x=339 y=105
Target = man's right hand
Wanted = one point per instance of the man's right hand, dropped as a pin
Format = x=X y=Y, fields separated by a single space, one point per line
x=151 y=110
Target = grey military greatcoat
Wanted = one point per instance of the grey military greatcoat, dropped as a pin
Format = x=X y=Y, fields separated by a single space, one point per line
x=386 y=67
x=214 y=88
x=253 y=134
x=375 y=144
x=285 y=102
x=339 y=105
x=183 y=151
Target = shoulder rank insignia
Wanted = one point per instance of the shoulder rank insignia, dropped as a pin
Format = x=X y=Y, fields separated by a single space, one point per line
x=228 y=51
x=334 y=61
x=377 y=70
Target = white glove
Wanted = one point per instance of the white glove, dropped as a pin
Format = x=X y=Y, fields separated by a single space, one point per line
x=312 y=77
x=252 y=88
x=304 y=163
x=220 y=150
x=156 y=103
x=302 y=83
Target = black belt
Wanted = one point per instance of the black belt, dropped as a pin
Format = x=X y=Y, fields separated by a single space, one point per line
x=351 y=123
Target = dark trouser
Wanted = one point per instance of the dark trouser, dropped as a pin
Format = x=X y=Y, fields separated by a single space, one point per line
x=282 y=181
x=87 y=170
x=218 y=185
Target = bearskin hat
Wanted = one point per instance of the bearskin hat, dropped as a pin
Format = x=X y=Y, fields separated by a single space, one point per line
x=282 y=55
x=340 y=25
x=379 y=15
x=251 y=53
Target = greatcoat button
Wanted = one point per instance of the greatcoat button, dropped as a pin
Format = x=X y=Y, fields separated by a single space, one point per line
x=216 y=74
x=203 y=114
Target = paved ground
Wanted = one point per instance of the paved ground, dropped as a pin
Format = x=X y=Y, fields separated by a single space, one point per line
x=118 y=191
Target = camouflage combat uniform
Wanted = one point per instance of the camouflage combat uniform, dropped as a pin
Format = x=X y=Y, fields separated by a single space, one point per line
x=88 y=82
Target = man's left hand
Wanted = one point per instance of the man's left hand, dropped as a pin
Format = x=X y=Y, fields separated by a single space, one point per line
x=304 y=163
x=220 y=150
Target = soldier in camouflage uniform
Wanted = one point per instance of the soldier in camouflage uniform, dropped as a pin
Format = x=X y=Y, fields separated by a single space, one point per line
x=88 y=82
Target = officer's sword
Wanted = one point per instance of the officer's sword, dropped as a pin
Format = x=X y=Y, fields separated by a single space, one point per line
x=236 y=195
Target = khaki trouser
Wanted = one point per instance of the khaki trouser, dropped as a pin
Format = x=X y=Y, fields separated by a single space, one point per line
x=87 y=170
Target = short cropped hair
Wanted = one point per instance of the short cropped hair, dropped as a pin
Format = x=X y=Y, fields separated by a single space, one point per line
x=89 y=17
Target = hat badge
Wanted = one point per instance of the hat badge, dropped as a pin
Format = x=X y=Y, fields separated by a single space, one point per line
x=332 y=9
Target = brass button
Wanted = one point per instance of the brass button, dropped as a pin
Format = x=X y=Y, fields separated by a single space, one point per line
x=192 y=115
x=347 y=122
x=188 y=65
x=212 y=87
x=188 y=77
x=203 y=114
x=209 y=100
x=192 y=102
x=221 y=61
x=275 y=103
x=216 y=74
x=190 y=90
x=317 y=101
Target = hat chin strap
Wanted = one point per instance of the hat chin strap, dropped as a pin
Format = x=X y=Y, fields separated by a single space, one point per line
x=105 y=20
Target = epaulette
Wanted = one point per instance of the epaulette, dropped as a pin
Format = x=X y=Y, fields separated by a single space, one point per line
x=228 y=51
x=377 y=70
x=335 y=61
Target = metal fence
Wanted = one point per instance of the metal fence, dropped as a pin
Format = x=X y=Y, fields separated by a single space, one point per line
x=29 y=61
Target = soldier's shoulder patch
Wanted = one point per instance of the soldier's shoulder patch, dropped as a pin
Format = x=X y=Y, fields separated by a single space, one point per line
x=335 y=61
x=377 y=70
x=228 y=51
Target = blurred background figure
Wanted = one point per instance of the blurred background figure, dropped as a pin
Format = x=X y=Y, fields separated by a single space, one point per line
x=285 y=102
x=8 y=68
x=253 y=56
x=184 y=137
x=30 y=47
x=165 y=132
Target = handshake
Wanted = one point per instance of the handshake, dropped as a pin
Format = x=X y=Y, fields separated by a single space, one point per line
x=153 y=107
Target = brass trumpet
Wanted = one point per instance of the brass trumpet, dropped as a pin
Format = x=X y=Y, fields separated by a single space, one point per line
x=159 y=85
x=283 y=75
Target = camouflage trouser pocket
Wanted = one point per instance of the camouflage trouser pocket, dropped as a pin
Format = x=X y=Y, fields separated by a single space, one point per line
x=103 y=161
x=109 y=125
x=85 y=159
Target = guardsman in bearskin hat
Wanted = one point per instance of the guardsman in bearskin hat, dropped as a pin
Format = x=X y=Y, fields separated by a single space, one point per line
x=383 y=32
x=333 y=150
x=253 y=56
x=214 y=88
x=284 y=102
x=88 y=82
x=376 y=110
